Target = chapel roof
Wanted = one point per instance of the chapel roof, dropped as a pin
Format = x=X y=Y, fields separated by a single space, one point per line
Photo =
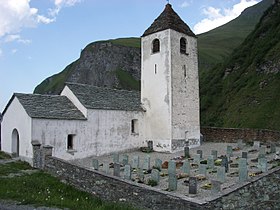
x=169 y=19
x=93 y=97
x=48 y=106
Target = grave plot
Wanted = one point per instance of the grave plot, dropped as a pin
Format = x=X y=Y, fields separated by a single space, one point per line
x=200 y=173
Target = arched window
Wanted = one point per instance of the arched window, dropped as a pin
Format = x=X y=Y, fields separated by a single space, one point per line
x=183 y=45
x=156 y=46
x=15 y=143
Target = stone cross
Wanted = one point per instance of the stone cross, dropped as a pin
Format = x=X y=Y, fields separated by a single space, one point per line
x=243 y=171
x=192 y=185
x=95 y=164
x=224 y=163
x=127 y=172
x=187 y=152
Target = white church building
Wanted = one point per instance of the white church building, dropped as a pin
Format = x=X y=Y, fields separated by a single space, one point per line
x=86 y=120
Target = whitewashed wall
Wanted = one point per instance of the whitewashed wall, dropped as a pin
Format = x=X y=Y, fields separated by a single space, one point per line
x=185 y=90
x=156 y=89
x=16 y=117
x=104 y=132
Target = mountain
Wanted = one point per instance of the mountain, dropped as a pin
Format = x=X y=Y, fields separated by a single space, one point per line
x=103 y=64
x=244 y=90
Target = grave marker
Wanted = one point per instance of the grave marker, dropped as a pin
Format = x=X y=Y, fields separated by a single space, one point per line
x=158 y=164
x=224 y=163
x=125 y=159
x=186 y=168
x=140 y=175
x=95 y=164
x=155 y=175
x=272 y=148
x=172 y=167
x=135 y=162
x=240 y=143
x=221 y=174
x=210 y=162
x=202 y=169
x=244 y=155
x=150 y=145
x=262 y=164
x=172 y=182
x=116 y=158
x=117 y=168
x=187 y=152
x=106 y=168
x=192 y=185
x=200 y=152
x=215 y=186
x=261 y=152
x=214 y=153
x=127 y=172
x=229 y=151
x=256 y=145
x=196 y=158
x=146 y=163
x=243 y=171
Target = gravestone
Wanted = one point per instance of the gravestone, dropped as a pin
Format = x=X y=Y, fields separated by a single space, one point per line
x=155 y=175
x=187 y=152
x=135 y=161
x=244 y=155
x=127 y=172
x=224 y=163
x=125 y=159
x=106 y=168
x=261 y=152
x=210 y=162
x=256 y=145
x=200 y=152
x=196 y=158
x=243 y=171
x=146 y=163
x=272 y=148
x=186 y=168
x=202 y=169
x=215 y=186
x=221 y=174
x=172 y=182
x=117 y=168
x=229 y=151
x=158 y=164
x=140 y=175
x=192 y=185
x=240 y=143
x=116 y=158
x=262 y=164
x=214 y=153
x=95 y=164
x=150 y=145
x=172 y=167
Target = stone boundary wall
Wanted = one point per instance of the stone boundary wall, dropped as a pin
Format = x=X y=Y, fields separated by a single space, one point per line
x=262 y=191
x=230 y=135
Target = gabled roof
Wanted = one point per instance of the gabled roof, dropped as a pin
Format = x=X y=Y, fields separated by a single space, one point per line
x=169 y=19
x=48 y=106
x=93 y=97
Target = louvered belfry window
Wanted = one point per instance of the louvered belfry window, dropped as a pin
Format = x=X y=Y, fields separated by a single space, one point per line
x=156 y=46
x=183 y=45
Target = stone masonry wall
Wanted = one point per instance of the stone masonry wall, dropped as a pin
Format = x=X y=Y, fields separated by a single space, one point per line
x=260 y=193
x=212 y=134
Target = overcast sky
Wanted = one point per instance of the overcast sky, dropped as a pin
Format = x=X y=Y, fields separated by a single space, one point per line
x=39 y=38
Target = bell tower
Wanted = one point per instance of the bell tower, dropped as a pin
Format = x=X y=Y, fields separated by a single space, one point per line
x=169 y=83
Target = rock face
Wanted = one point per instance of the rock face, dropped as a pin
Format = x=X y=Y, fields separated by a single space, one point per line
x=100 y=62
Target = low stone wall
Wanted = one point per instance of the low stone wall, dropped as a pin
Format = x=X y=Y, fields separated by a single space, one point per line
x=212 y=134
x=260 y=192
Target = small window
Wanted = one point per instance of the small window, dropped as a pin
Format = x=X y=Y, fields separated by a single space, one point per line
x=183 y=45
x=185 y=71
x=156 y=46
x=70 y=142
x=134 y=126
x=155 y=68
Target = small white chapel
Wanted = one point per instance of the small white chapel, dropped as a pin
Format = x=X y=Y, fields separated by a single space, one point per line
x=87 y=120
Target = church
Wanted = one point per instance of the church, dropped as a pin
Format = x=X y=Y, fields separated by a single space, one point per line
x=86 y=120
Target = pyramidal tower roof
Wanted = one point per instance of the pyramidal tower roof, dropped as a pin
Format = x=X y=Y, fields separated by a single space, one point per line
x=169 y=19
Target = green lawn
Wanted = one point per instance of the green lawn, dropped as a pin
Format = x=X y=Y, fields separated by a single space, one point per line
x=41 y=189
x=4 y=156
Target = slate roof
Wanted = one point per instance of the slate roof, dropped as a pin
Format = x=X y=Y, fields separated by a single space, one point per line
x=169 y=19
x=48 y=106
x=93 y=97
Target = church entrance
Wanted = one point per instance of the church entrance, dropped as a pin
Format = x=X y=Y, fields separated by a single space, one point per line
x=15 y=143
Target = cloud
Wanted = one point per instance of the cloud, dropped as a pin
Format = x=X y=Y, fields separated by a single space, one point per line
x=217 y=17
x=184 y=4
x=1 y=53
x=59 y=4
x=14 y=51
x=17 y=38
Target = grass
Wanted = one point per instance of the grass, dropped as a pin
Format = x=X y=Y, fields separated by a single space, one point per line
x=127 y=81
x=41 y=189
x=4 y=156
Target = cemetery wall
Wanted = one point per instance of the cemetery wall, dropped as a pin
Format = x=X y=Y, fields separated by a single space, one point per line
x=260 y=192
x=212 y=134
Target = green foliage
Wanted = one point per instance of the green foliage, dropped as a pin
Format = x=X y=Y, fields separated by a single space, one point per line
x=127 y=81
x=42 y=189
x=13 y=167
x=128 y=42
x=152 y=182
x=4 y=155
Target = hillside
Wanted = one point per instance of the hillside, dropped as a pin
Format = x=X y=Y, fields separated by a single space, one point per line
x=114 y=71
x=244 y=90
